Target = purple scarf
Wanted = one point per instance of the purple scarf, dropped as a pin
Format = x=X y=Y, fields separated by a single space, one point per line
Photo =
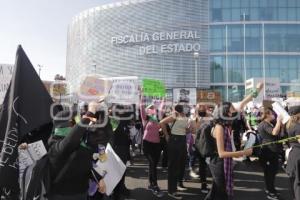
x=228 y=164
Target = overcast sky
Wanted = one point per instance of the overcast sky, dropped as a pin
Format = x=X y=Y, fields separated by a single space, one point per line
x=40 y=26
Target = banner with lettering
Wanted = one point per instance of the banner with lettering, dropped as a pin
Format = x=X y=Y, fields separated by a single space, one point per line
x=26 y=107
x=153 y=88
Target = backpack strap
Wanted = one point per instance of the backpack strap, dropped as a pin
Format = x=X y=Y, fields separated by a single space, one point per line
x=173 y=124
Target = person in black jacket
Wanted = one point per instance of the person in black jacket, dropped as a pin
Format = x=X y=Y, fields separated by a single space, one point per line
x=70 y=157
x=121 y=143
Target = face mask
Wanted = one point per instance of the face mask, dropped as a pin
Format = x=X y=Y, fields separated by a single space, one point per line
x=202 y=113
x=153 y=118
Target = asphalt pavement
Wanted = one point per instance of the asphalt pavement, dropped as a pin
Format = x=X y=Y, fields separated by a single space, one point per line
x=248 y=182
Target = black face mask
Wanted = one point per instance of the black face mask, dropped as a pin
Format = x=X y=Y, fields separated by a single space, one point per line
x=202 y=113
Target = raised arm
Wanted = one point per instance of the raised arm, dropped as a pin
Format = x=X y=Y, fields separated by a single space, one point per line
x=250 y=97
x=142 y=110
x=161 y=109
x=163 y=124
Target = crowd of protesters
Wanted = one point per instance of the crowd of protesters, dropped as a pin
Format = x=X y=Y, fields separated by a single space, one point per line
x=156 y=132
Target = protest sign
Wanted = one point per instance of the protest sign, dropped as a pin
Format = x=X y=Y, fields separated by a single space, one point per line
x=154 y=88
x=112 y=167
x=184 y=95
x=124 y=90
x=281 y=111
x=5 y=77
x=94 y=87
x=34 y=152
x=272 y=88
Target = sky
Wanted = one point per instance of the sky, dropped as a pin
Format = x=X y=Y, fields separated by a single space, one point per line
x=40 y=26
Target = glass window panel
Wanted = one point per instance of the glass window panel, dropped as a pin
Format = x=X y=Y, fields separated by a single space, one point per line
x=292 y=3
x=217 y=3
x=282 y=13
x=236 y=15
x=254 y=3
x=245 y=3
x=263 y=3
x=226 y=3
x=282 y=4
x=226 y=15
x=254 y=14
x=236 y=3
x=292 y=15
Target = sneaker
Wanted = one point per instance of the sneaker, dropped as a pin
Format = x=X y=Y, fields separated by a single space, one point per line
x=151 y=188
x=175 y=195
x=204 y=190
x=181 y=187
x=272 y=196
x=193 y=174
x=157 y=192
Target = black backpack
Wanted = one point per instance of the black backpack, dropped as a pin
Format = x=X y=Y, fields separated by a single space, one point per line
x=204 y=142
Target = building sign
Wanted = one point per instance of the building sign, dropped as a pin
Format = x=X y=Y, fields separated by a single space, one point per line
x=6 y=72
x=142 y=39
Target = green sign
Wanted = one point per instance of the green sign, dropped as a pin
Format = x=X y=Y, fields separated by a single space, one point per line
x=154 y=88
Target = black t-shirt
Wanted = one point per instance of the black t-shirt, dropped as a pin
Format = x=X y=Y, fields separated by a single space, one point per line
x=294 y=131
x=265 y=130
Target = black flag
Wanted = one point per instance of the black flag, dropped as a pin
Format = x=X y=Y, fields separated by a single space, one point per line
x=26 y=106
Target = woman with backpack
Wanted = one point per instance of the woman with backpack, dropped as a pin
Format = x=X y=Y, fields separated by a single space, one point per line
x=151 y=142
x=269 y=154
x=293 y=163
x=221 y=163
x=177 y=149
x=201 y=117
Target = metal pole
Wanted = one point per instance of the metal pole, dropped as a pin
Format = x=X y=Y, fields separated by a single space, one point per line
x=40 y=68
x=226 y=62
x=245 y=72
x=264 y=64
x=196 y=75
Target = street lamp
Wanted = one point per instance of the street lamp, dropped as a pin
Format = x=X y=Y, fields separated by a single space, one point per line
x=196 y=57
x=40 y=68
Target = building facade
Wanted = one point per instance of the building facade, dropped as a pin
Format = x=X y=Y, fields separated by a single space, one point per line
x=214 y=44
x=253 y=38
x=165 y=40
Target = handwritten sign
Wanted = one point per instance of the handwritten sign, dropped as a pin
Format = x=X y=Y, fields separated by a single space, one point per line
x=154 y=88
x=124 y=90
x=34 y=152
x=272 y=88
